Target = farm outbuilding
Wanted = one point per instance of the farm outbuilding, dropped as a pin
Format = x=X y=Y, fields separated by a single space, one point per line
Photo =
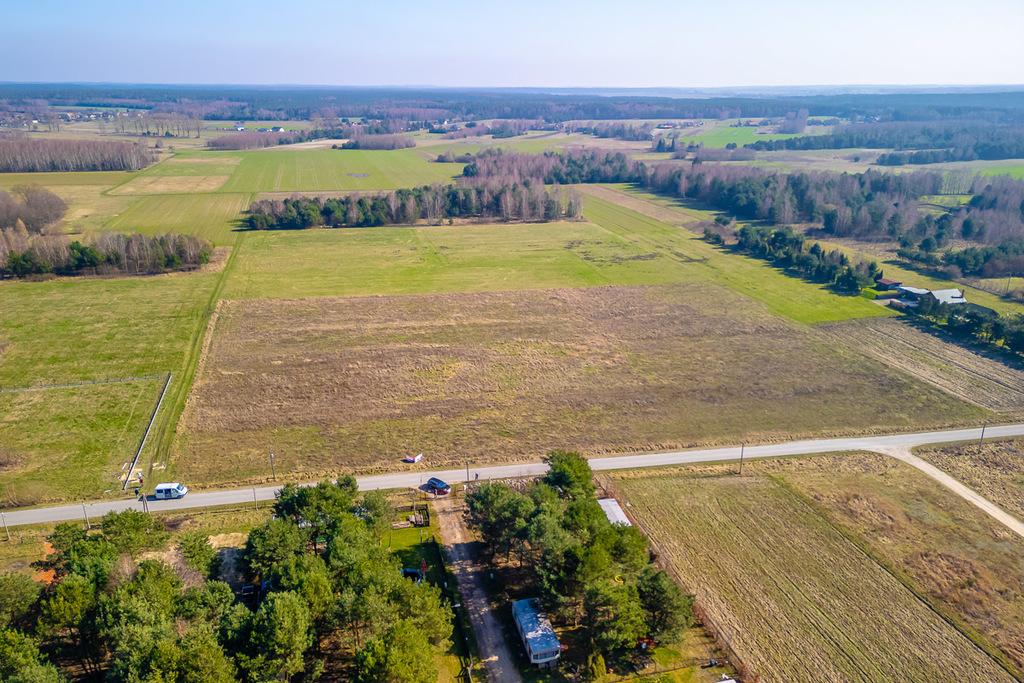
x=539 y=639
x=614 y=512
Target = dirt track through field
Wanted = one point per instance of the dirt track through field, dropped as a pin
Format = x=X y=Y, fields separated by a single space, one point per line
x=468 y=569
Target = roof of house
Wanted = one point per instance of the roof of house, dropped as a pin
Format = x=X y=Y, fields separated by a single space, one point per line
x=613 y=511
x=888 y=282
x=949 y=296
x=535 y=626
x=913 y=290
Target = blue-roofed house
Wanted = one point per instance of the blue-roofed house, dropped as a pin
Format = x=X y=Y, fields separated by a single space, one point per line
x=539 y=639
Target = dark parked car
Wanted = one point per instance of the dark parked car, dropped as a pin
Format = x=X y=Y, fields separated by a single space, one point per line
x=436 y=486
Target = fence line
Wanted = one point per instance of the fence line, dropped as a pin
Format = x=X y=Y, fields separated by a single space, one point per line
x=145 y=437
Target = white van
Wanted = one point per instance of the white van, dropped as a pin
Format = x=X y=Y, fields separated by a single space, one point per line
x=169 y=491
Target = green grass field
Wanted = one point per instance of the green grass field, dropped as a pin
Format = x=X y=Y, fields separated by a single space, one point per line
x=214 y=217
x=614 y=246
x=283 y=170
x=722 y=134
x=69 y=441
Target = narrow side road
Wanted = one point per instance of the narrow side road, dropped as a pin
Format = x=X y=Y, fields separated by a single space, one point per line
x=490 y=640
x=968 y=494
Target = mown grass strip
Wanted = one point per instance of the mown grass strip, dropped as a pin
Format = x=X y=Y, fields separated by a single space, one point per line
x=168 y=423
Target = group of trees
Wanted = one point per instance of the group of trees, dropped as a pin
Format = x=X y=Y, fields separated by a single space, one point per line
x=32 y=207
x=31 y=155
x=326 y=583
x=379 y=142
x=1002 y=261
x=585 y=571
x=916 y=142
x=499 y=128
x=872 y=205
x=23 y=254
x=527 y=201
x=789 y=250
x=974 y=323
x=620 y=130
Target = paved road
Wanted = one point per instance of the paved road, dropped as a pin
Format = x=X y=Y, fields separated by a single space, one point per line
x=412 y=478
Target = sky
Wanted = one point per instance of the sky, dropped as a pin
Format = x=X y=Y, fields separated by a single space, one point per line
x=558 y=43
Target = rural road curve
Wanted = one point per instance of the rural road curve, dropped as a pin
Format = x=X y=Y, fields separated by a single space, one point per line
x=887 y=444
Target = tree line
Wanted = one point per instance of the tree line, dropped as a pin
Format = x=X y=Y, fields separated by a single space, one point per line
x=32 y=207
x=620 y=130
x=232 y=103
x=34 y=155
x=916 y=142
x=973 y=323
x=585 y=571
x=379 y=142
x=790 y=251
x=872 y=205
x=510 y=201
x=23 y=254
x=329 y=594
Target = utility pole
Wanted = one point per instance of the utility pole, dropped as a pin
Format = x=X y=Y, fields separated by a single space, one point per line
x=982 y=439
x=85 y=513
x=273 y=470
x=254 y=501
x=743 y=447
x=6 y=530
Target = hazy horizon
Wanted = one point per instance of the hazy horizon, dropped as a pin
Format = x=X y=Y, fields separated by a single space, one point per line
x=648 y=44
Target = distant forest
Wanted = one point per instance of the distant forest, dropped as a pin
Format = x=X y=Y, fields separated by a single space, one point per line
x=228 y=103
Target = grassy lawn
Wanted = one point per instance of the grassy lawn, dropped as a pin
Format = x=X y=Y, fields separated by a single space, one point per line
x=440 y=259
x=212 y=216
x=312 y=170
x=797 y=593
x=415 y=546
x=66 y=442
x=720 y=134
x=781 y=294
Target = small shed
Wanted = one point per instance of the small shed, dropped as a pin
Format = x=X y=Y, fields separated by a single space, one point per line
x=539 y=639
x=613 y=511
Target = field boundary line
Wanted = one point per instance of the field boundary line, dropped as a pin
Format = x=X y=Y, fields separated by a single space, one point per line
x=145 y=436
x=73 y=385
x=715 y=630
x=168 y=425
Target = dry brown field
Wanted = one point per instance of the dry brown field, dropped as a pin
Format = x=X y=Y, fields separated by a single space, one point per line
x=351 y=384
x=994 y=469
x=983 y=380
x=170 y=184
x=850 y=567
